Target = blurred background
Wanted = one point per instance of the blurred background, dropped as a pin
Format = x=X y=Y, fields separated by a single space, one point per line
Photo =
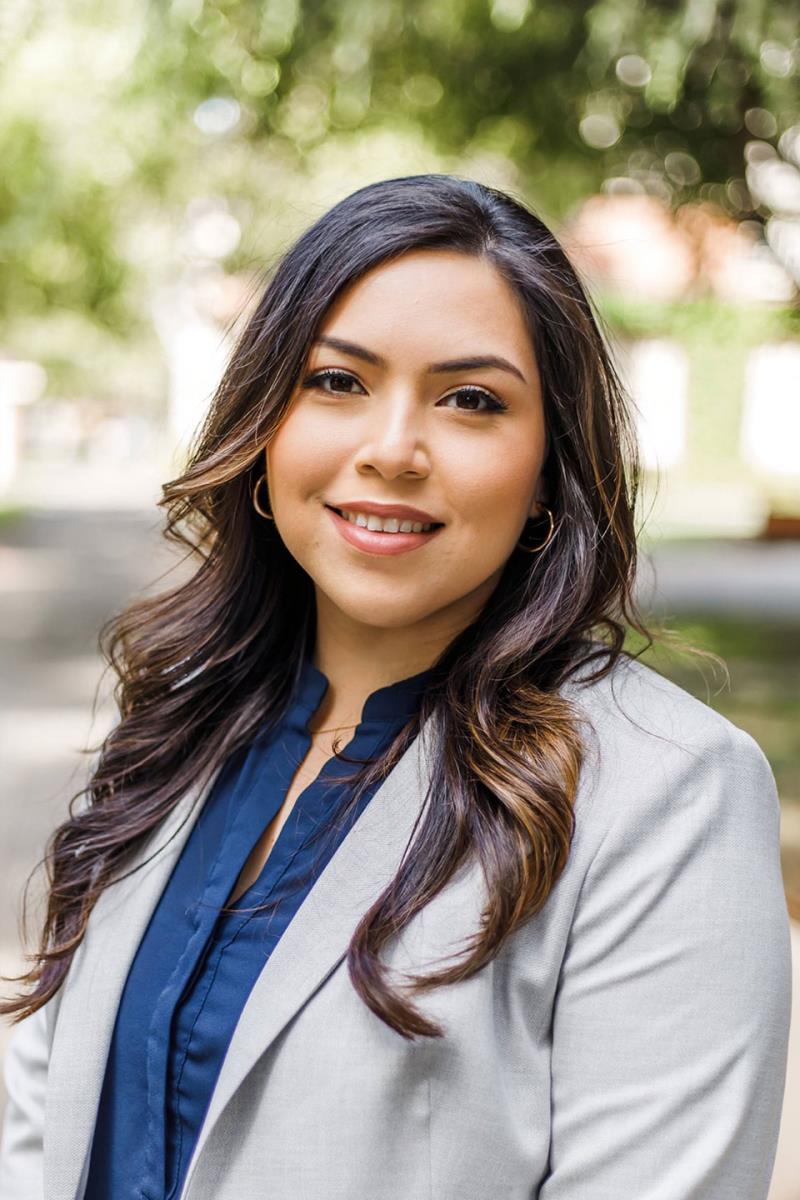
x=158 y=157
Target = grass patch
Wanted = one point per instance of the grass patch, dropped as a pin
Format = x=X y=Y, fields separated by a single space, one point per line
x=9 y=514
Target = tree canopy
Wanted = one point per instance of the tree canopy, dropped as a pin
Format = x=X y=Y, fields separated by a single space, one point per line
x=127 y=128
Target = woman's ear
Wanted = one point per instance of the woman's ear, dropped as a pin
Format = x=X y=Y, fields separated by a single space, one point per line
x=537 y=507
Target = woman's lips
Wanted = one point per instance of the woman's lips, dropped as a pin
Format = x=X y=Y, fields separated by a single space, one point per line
x=373 y=541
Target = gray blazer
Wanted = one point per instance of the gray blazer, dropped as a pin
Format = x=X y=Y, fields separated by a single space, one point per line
x=628 y=1043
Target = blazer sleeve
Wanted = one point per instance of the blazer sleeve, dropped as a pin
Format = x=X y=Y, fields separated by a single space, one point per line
x=25 y=1074
x=671 y=1017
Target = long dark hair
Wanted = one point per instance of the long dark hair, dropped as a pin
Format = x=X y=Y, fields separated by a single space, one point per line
x=200 y=666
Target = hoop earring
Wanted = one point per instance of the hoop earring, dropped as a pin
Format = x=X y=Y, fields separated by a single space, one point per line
x=547 y=540
x=261 y=479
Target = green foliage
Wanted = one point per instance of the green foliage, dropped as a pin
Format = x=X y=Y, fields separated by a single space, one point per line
x=116 y=116
x=700 y=320
x=56 y=243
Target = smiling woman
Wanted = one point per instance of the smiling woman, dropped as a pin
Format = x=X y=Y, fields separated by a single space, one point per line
x=534 y=944
x=378 y=420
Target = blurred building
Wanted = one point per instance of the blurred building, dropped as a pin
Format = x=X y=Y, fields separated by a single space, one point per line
x=695 y=300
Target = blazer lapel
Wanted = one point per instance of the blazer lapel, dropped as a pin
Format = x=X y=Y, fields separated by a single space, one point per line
x=91 y=994
x=317 y=938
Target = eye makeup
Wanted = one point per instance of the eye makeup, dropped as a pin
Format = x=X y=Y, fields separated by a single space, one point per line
x=317 y=378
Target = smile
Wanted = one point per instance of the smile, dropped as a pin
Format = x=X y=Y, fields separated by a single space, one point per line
x=381 y=535
x=384 y=524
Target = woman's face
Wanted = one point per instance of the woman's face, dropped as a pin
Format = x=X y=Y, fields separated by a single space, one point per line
x=390 y=411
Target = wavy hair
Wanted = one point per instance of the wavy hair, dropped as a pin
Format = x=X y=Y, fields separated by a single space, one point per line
x=200 y=666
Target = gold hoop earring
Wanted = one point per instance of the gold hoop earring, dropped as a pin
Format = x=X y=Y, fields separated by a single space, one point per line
x=261 y=479
x=547 y=540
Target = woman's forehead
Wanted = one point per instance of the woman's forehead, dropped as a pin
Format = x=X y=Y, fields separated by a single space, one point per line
x=437 y=302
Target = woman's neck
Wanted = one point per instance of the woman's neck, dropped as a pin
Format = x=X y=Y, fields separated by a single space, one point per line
x=351 y=681
x=358 y=659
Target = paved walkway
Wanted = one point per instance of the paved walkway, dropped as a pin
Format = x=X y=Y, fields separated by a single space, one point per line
x=61 y=576
x=743 y=578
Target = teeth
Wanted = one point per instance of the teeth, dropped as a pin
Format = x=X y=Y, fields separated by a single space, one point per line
x=385 y=524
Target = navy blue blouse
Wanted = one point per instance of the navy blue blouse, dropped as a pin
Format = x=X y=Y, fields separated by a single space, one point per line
x=196 y=965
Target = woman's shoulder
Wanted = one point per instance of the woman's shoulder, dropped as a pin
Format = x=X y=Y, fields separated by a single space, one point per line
x=635 y=706
x=657 y=755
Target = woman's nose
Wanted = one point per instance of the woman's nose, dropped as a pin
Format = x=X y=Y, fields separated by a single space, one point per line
x=395 y=440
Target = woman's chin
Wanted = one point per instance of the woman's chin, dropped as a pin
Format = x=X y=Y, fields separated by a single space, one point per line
x=378 y=608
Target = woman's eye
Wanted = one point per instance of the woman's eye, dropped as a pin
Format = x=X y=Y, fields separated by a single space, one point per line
x=474 y=396
x=339 y=381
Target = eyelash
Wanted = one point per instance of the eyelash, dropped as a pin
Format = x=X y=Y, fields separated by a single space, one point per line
x=497 y=404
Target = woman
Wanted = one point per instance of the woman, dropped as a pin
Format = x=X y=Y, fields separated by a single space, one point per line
x=524 y=934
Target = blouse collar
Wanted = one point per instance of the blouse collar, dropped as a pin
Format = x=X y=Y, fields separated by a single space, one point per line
x=399 y=700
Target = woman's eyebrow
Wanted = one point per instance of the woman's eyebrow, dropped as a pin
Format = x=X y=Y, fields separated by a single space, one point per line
x=473 y=363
